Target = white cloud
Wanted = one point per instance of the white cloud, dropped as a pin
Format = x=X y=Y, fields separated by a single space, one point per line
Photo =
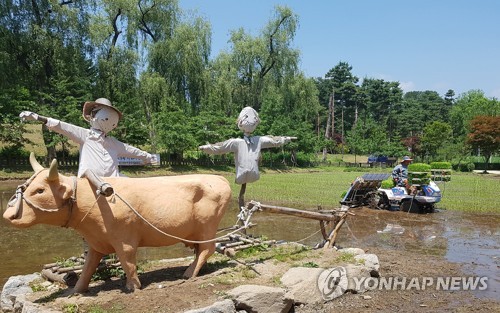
x=495 y=93
x=407 y=86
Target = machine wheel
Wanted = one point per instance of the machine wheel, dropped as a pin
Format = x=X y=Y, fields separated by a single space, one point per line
x=379 y=201
x=429 y=208
x=411 y=206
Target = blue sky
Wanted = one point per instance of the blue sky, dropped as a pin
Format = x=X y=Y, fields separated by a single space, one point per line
x=425 y=44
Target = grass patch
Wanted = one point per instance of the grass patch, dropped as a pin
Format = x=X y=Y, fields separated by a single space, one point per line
x=100 y=309
x=289 y=253
x=70 y=308
x=346 y=258
x=250 y=252
x=471 y=192
x=310 y=264
x=37 y=285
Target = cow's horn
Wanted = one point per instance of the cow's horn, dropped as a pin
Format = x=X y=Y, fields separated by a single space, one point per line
x=53 y=174
x=34 y=163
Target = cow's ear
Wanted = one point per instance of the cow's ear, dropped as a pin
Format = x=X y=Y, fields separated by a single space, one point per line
x=65 y=190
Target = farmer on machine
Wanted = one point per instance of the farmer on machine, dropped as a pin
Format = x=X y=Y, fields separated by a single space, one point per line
x=246 y=149
x=98 y=152
x=400 y=172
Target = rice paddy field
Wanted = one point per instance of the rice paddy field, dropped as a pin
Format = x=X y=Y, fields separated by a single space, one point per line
x=471 y=192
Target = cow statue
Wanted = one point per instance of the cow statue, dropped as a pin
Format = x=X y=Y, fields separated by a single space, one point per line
x=146 y=212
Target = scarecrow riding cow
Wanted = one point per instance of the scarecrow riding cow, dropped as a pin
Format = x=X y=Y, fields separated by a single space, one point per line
x=143 y=212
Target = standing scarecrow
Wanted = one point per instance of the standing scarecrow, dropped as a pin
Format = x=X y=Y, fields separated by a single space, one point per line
x=246 y=149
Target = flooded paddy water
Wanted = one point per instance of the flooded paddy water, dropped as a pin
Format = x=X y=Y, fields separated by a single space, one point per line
x=470 y=239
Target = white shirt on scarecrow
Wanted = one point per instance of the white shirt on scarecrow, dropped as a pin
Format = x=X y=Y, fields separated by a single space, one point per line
x=246 y=154
x=98 y=151
x=247 y=149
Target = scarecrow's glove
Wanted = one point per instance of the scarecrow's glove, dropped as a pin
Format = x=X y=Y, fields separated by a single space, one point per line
x=289 y=139
x=152 y=159
x=31 y=116
x=28 y=116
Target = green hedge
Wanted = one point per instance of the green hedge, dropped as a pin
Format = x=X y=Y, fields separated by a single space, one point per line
x=464 y=167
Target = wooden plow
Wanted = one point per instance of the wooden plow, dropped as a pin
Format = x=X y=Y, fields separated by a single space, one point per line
x=330 y=222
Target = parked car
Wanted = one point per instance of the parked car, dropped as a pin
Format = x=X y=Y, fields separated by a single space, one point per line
x=377 y=159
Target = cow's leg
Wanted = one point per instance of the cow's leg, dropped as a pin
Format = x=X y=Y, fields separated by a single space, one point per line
x=92 y=260
x=127 y=255
x=203 y=252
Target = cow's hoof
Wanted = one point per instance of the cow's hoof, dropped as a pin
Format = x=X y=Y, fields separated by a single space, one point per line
x=131 y=287
x=70 y=292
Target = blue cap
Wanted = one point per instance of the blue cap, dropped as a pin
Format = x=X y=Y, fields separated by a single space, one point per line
x=406 y=158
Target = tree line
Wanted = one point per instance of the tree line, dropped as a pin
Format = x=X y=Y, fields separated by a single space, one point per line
x=153 y=61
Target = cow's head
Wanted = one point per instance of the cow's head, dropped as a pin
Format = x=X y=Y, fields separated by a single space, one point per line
x=45 y=198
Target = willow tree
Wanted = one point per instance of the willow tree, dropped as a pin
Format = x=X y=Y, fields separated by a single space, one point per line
x=45 y=46
x=267 y=58
x=182 y=60
x=222 y=81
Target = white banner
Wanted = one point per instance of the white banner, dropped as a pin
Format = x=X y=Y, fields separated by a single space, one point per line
x=137 y=162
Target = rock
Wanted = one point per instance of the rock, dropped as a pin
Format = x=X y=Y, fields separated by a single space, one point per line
x=16 y=287
x=371 y=262
x=301 y=283
x=29 y=307
x=255 y=298
x=353 y=251
x=359 y=278
x=333 y=283
x=226 y=306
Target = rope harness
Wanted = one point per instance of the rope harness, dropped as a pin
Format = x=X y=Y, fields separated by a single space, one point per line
x=245 y=218
x=19 y=196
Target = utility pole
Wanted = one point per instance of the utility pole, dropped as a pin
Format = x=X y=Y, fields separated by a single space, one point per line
x=330 y=124
x=342 y=132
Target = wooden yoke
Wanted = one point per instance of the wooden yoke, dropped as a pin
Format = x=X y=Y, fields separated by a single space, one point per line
x=336 y=218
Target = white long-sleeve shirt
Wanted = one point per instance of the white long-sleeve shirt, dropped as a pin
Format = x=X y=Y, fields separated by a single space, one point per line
x=246 y=154
x=98 y=151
